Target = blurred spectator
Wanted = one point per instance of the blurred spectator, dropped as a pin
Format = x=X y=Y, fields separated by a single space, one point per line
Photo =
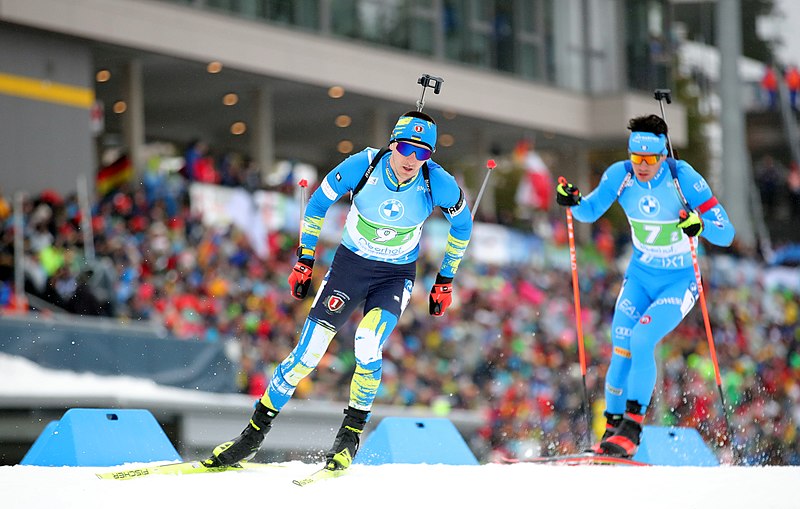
x=534 y=192
x=535 y=189
x=769 y=84
x=5 y=207
x=769 y=180
x=793 y=185
x=506 y=348
x=792 y=77
x=199 y=166
x=83 y=301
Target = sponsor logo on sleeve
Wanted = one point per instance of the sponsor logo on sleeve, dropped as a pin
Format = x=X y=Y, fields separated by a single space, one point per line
x=328 y=191
x=459 y=207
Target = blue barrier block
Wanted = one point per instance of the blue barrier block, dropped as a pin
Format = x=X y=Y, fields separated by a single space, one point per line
x=674 y=446
x=101 y=437
x=409 y=440
x=41 y=443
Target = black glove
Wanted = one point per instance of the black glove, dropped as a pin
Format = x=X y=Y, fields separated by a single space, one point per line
x=691 y=223
x=300 y=278
x=441 y=295
x=567 y=195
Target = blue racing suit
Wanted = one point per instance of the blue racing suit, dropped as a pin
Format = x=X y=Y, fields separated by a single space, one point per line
x=660 y=286
x=375 y=265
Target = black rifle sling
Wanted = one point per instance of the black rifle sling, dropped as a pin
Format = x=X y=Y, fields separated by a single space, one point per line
x=673 y=170
x=361 y=183
x=374 y=163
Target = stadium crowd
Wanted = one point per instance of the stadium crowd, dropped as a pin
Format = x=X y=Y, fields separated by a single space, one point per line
x=507 y=348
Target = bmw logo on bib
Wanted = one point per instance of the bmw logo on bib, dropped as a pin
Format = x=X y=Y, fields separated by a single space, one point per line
x=391 y=210
x=649 y=205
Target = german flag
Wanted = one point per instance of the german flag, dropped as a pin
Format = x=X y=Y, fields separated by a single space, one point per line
x=114 y=175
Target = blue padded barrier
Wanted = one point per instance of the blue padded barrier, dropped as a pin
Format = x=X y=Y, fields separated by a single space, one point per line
x=409 y=440
x=101 y=437
x=674 y=446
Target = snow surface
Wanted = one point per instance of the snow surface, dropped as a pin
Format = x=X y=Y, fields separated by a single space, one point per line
x=385 y=486
x=419 y=486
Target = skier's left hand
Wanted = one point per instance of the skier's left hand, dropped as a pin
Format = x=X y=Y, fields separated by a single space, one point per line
x=691 y=223
x=441 y=295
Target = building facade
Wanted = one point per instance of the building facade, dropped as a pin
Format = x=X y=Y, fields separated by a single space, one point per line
x=315 y=80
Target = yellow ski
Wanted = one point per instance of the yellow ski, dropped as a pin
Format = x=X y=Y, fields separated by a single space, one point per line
x=320 y=475
x=182 y=468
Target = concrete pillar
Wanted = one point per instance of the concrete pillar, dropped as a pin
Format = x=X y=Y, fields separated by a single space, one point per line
x=263 y=138
x=381 y=124
x=133 y=118
x=583 y=231
x=735 y=158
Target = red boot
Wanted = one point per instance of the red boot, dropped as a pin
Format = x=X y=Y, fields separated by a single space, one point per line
x=612 y=423
x=625 y=441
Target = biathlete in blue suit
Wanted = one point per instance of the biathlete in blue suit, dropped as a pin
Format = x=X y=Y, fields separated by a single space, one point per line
x=375 y=266
x=659 y=287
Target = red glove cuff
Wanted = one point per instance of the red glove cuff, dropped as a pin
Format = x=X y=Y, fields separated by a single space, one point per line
x=441 y=295
x=300 y=278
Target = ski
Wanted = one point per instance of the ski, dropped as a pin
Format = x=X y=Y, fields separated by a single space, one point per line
x=320 y=475
x=587 y=458
x=181 y=468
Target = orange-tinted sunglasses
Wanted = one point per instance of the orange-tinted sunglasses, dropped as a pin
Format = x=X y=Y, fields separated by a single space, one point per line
x=638 y=158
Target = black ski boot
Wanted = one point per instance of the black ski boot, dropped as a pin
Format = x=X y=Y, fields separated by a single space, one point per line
x=245 y=446
x=625 y=441
x=612 y=423
x=347 y=440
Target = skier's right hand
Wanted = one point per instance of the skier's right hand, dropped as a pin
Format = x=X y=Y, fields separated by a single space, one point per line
x=567 y=195
x=300 y=278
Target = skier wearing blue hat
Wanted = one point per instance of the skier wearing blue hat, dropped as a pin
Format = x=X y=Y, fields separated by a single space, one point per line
x=393 y=191
x=659 y=287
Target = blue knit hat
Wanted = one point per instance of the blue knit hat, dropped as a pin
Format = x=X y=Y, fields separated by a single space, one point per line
x=414 y=129
x=648 y=143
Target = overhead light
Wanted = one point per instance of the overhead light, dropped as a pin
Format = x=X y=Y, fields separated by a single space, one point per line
x=343 y=121
x=214 y=67
x=238 y=128
x=120 y=107
x=345 y=147
x=335 y=92
x=230 y=99
x=449 y=115
x=446 y=140
x=102 y=75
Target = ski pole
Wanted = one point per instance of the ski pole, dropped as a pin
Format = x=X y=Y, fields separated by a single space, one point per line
x=490 y=165
x=576 y=295
x=662 y=95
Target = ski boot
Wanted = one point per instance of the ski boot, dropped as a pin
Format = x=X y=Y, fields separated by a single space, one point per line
x=625 y=441
x=347 y=440
x=245 y=446
x=612 y=423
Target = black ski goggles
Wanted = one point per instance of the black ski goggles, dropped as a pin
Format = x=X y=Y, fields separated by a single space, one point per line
x=406 y=149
